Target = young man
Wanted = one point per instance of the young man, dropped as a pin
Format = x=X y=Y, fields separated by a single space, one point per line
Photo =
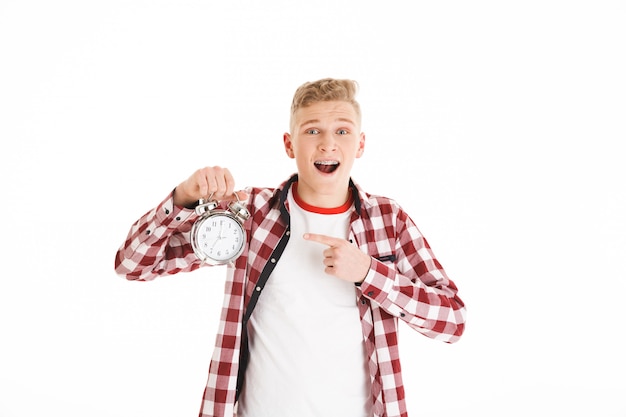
x=311 y=308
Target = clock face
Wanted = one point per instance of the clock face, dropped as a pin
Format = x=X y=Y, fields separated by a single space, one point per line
x=220 y=238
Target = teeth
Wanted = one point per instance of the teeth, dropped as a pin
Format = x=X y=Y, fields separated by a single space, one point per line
x=326 y=162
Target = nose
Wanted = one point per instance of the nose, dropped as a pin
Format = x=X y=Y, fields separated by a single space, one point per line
x=327 y=142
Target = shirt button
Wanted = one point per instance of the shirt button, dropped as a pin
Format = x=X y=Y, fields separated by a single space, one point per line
x=147 y=232
x=402 y=314
x=167 y=211
x=370 y=293
x=177 y=218
x=258 y=288
x=273 y=260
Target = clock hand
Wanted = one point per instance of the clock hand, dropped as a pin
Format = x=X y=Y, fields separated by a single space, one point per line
x=219 y=236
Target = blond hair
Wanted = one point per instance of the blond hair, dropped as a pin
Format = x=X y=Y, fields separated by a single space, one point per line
x=326 y=89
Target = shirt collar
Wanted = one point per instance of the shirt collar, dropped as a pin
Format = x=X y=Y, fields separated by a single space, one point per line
x=283 y=190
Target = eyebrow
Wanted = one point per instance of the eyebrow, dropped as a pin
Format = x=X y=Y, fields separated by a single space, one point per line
x=339 y=119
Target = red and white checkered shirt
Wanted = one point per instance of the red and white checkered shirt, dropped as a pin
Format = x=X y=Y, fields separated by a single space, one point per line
x=405 y=282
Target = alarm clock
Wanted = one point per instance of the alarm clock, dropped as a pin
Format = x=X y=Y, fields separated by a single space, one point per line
x=218 y=236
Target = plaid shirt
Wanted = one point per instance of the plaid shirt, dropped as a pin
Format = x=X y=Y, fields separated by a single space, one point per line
x=405 y=282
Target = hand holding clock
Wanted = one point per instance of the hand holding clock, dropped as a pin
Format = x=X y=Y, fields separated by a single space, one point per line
x=217 y=235
x=201 y=184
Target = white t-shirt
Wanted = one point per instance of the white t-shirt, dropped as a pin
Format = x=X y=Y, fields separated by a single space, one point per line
x=307 y=355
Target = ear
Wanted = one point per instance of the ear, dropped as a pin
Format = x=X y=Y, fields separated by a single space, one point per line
x=288 y=145
x=361 y=147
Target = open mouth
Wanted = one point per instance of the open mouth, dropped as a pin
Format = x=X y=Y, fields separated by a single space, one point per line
x=326 y=166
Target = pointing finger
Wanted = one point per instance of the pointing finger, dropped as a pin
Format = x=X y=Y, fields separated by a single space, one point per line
x=323 y=239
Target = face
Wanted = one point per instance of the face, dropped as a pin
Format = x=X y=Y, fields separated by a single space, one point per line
x=325 y=141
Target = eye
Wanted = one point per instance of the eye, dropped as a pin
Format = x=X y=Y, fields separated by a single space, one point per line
x=312 y=132
x=342 y=132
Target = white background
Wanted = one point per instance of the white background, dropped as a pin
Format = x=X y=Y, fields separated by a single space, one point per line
x=499 y=126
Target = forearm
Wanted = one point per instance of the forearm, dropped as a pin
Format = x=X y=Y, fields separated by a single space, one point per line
x=157 y=244
x=429 y=304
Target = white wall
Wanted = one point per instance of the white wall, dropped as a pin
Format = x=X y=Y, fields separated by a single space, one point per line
x=497 y=125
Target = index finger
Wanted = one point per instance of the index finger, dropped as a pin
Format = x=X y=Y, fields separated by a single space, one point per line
x=323 y=239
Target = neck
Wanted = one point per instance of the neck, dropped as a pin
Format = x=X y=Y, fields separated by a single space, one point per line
x=317 y=209
x=326 y=200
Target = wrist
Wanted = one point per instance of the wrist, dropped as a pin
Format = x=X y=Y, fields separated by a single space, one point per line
x=182 y=200
x=358 y=283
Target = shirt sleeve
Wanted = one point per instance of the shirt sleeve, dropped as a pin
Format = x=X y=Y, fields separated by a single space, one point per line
x=412 y=286
x=158 y=244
